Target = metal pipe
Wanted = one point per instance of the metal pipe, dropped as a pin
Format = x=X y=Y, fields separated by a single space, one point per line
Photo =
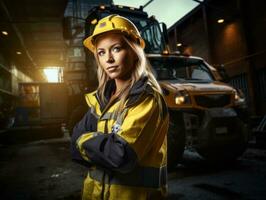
x=245 y=58
x=146 y=4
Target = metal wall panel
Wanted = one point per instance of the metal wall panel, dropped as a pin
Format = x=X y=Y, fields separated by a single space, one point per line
x=241 y=82
x=260 y=85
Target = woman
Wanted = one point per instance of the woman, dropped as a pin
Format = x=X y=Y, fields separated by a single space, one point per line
x=122 y=137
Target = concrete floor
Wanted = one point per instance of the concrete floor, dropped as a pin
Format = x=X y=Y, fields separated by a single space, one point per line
x=43 y=170
x=40 y=170
x=244 y=179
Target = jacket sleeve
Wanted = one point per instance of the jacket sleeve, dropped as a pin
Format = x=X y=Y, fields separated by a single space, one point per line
x=87 y=123
x=120 y=151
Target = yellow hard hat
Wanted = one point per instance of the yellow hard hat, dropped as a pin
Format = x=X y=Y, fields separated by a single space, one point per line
x=114 y=23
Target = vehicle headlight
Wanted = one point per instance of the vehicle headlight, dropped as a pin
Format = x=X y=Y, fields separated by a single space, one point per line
x=182 y=97
x=239 y=97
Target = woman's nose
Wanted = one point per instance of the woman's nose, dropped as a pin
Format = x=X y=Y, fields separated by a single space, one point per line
x=110 y=58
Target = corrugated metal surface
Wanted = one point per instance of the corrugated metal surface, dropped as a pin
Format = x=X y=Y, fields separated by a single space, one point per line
x=260 y=85
x=241 y=82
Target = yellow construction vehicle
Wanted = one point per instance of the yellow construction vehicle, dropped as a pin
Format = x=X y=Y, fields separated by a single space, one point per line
x=204 y=111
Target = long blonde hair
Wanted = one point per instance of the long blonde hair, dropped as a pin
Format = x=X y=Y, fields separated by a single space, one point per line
x=142 y=67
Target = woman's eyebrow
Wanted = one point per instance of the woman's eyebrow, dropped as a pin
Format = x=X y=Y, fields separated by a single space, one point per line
x=100 y=49
x=117 y=43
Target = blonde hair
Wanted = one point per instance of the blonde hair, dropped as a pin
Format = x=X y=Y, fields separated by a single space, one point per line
x=142 y=67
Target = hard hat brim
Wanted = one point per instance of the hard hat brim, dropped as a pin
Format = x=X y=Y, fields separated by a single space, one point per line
x=88 y=42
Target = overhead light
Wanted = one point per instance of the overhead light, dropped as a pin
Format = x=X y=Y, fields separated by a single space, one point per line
x=179 y=44
x=102 y=7
x=165 y=52
x=4 y=32
x=94 y=21
x=18 y=52
x=220 y=21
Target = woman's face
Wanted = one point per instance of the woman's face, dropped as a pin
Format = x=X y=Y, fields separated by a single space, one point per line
x=115 y=56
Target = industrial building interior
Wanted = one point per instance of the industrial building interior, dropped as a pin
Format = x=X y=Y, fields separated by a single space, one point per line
x=45 y=71
x=46 y=37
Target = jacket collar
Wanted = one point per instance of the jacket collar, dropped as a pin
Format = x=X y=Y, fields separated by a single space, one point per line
x=140 y=88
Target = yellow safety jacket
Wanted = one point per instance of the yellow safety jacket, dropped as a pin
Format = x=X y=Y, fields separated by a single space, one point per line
x=125 y=154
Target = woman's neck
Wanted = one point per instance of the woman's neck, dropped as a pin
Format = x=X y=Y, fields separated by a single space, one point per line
x=121 y=84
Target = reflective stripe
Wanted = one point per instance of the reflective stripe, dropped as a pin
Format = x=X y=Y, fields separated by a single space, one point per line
x=121 y=117
x=93 y=112
x=94 y=134
x=149 y=177
x=81 y=140
x=107 y=116
x=87 y=136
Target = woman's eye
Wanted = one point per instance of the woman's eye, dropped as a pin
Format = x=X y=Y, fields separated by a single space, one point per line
x=100 y=53
x=116 y=49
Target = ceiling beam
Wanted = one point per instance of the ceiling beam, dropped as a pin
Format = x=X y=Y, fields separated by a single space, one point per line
x=18 y=34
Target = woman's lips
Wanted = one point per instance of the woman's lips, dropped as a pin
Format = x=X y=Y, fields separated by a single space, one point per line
x=112 y=68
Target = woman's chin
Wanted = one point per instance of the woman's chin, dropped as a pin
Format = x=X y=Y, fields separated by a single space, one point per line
x=113 y=75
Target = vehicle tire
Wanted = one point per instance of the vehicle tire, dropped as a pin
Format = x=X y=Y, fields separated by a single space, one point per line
x=175 y=139
x=75 y=117
x=222 y=155
x=229 y=151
